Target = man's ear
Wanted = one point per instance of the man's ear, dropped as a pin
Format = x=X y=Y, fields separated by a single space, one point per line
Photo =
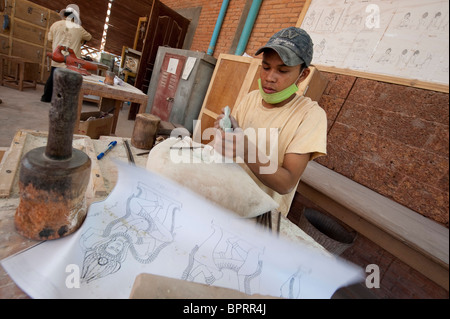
x=305 y=74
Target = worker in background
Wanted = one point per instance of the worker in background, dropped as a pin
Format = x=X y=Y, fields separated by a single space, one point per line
x=294 y=127
x=67 y=32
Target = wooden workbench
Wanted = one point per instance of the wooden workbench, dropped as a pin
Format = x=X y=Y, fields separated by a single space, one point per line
x=94 y=85
x=103 y=179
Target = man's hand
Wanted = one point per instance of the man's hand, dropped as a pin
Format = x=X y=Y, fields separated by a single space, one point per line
x=229 y=144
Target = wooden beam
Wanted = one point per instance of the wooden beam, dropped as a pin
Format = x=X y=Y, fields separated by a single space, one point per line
x=388 y=79
x=303 y=13
x=433 y=270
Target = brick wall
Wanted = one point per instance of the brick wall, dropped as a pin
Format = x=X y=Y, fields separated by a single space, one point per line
x=397 y=280
x=274 y=15
x=392 y=139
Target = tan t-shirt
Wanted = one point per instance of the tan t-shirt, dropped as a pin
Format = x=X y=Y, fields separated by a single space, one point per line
x=301 y=126
x=67 y=33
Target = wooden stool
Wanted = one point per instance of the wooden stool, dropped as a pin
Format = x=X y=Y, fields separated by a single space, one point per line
x=25 y=75
x=145 y=129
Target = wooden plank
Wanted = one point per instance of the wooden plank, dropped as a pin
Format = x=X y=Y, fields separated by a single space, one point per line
x=226 y=84
x=314 y=86
x=206 y=120
x=210 y=113
x=94 y=85
x=25 y=140
x=4 y=44
x=148 y=286
x=3 y=150
x=250 y=79
x=28 y=51
x=97 y=181
x=420 y=232
x=31 y=12
x=388 y=79
x=10 y=164
x=429 y=267
x=303 y=13
x=29 y=32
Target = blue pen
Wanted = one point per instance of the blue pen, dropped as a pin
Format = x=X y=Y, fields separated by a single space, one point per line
x=110 y=146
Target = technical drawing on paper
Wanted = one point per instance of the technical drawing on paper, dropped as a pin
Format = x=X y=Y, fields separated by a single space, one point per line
x=223 y=255
x=291 y=288
x=144 y=231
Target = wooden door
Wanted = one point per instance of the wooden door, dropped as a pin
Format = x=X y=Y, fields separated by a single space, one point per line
x=165 y=28
x=170 y=74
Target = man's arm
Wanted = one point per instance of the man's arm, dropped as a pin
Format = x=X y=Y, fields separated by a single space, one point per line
x=286 y=177
x=281 y=179
x=86 y=36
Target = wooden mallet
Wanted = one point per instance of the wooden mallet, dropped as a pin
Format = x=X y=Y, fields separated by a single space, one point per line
x=53 y=179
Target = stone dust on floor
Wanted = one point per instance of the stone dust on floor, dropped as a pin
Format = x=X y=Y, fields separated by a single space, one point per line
x=24 y=110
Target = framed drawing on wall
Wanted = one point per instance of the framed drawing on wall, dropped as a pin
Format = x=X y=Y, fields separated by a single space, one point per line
x=402 y=41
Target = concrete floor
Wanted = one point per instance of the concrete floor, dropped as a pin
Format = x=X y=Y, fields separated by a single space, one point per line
x=24 y=110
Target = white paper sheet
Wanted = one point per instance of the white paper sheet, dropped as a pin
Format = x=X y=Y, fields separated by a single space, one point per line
x=149 y=224
x=173 y=65
x=190 y=63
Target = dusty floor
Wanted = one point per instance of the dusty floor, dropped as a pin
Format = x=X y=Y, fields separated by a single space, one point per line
x=24 y=110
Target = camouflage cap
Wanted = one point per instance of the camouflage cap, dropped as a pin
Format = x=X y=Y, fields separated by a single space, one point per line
x=293 y=45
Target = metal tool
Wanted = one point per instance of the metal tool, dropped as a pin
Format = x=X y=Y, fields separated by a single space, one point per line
x=129 y=153
x=72 y=62
x=53 y=179
x=265 y=220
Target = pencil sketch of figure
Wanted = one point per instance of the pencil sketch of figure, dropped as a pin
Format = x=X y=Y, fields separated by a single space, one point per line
x=444 y=25
x=416 y=62
x=436 y=21
x=403 y=59
x=291 y=287
x=319 y=49
x=386 y=57
x=224 y=255
x=328 y=21
x=145 y=229
x=309 y=21
x=405 y=21
x=355 y=22
x=423 y=22
x=350 y=22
